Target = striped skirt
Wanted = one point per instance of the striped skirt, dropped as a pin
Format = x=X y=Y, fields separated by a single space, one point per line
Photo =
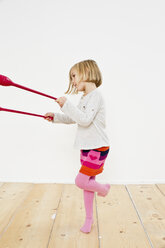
x=92 y=160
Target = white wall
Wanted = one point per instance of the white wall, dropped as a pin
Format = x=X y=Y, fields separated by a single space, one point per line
x=39 y=42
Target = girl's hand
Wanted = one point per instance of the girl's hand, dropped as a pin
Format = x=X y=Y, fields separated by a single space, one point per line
x=61 y=101
x=47 y=115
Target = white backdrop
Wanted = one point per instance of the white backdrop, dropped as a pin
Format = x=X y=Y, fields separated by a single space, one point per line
x=39 y=42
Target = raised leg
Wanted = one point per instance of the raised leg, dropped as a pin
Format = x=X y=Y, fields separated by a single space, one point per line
x=83 y=181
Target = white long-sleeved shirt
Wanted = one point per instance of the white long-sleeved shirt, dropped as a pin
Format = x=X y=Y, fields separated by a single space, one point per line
x=89 y=115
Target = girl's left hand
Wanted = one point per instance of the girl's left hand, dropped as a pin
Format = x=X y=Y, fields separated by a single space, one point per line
x=61 y=101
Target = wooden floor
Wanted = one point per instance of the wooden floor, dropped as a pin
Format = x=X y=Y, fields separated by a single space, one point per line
x=50 y=216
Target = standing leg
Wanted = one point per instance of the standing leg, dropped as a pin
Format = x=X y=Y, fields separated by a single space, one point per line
x=88 y=202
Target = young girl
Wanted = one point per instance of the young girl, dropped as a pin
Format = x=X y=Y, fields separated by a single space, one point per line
x=91 y=138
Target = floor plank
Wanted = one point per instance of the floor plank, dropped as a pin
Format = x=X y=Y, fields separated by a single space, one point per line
x=150 y=204
x=11 y=197
x=70 y=217
x=161 y=187
x=32 y=224
x=119 y=225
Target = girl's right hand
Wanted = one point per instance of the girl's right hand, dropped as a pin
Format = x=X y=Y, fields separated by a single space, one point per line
x=48 y=115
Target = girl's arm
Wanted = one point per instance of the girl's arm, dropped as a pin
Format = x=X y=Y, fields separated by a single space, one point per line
x=62 y=118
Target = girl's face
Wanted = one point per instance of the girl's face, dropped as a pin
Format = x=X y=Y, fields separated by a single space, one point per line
x=79 y=85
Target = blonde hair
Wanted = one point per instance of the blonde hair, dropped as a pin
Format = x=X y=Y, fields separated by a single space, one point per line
x=88 y=71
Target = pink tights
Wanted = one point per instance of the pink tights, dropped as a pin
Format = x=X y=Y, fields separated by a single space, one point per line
x=89 y=186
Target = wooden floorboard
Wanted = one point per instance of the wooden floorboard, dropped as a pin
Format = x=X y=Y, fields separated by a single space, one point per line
x=1 y=184
x=150 y=204
x=50 y=216
x=12 y=196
